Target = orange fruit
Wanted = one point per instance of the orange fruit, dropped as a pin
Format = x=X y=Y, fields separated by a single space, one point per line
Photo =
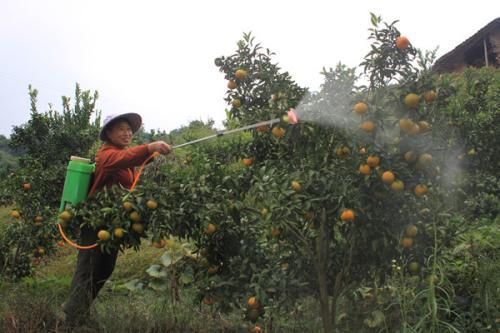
x=137 y=228
x=275 y=232
x=27 y=186
x=262 y=128
x=420 y=190
x=61 y=243
x=360 y=108
x=232 y=84
x=411 y=231
x=296 y=186
x=103 y=235
x=347 y=215
x=364 y=169
x=128 y=206
x=373 y=161
x=430 y=96
x=241 y=74
x=406 y=125
x=423 y=126
x=252 y=302
x=152 y=204
x=15 y=214
x=415 y=129
x=407 y=242
x=398 y=185
x=362 y=150
x=210 y=229
x=212 y=269
x=207 y=301
x=402 y=42
x=425 y=160
x=119 y=232
x=65 y=216
x=159 y=244
x=278 y=132
x=388 y=177
x=411 y=100
x=236 y=102
x=135 y=216
x=410 y=156
x=248 y=161
x=38 y=219
x=368 y=126
x=257 y=329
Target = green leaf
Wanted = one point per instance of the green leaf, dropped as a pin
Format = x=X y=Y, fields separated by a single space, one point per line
x=158 y=285
x=134 y=285
x=157 y=271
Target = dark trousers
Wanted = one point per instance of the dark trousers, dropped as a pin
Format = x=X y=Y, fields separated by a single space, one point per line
x=93 y=268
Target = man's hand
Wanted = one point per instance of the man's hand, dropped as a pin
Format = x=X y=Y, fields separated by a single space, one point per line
x=159 y=146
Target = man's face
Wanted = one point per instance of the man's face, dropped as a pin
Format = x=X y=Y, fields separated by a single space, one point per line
x=120 y=133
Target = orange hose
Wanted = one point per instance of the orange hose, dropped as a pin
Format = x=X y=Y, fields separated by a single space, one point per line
x=88 y=247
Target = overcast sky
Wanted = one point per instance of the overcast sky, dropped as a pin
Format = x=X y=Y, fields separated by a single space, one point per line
x=157 y=57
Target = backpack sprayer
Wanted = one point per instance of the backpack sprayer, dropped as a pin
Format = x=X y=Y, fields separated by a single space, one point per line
x=80 y=172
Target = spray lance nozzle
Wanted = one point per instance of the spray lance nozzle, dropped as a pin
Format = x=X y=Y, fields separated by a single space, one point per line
x=290 y=117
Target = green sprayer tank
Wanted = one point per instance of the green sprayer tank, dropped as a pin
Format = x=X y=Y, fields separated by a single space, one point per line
x=78 y=177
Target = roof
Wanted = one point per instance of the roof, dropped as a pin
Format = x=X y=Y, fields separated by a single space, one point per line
x=447 y=61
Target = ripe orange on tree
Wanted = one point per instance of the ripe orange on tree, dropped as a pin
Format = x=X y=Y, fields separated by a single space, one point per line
x=360 y=108
x=425 y=160
x=430 y=96
x=159 y=244
x=388 y=177
x=152 y=204
x=15 y=214
x=119 y=232
x=248 y=161
x=406 y=125
x=398 y=185
x=103 y=235
x=65 y=216
x=252 y=302
x=236 y=102
x=402 y=42
x=373 y=161
x=411 y=231
x=27 y=186
x=410 y=156
x=128 y=206
x=212 y=269
x=232 y=84
x=407 y=242
x=296 y=186
x=207 y=301
x=278 y=132
x=210 y=229
x=262 y=128
x=423 y=126
x=411 y=100
x=368 y=126
x=241 y=74
x=137 y=228
x=347 y=215
x=275 y=232
x=364 y=169
x=135 y=216
x=420 y=190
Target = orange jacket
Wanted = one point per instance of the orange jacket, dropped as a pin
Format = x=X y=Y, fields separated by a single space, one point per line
x=114 y=165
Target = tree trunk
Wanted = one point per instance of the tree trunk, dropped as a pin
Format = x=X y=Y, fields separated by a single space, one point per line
x=321 y=269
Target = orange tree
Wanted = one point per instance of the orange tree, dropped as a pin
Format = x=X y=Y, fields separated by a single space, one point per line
x=33 y=190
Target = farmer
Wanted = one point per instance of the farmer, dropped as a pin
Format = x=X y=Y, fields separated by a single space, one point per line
x=115 y=164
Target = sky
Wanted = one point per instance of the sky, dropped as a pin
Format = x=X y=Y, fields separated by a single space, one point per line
x=156 y=58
